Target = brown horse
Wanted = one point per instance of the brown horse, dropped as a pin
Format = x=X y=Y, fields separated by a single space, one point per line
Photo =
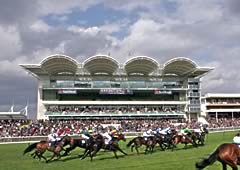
x=185 y=139
x=227 y=154
x=42 y=146
x=137 y=142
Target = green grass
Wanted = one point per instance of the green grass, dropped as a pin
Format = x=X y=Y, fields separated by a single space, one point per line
x=11 y=158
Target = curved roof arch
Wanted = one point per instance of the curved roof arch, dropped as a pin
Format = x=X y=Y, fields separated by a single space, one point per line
x=59 y=63
x=101 y=64
x=141 y=65
x=179 y=66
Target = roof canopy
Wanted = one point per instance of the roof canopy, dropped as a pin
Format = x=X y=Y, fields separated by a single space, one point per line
x=106 y=65
x=101 y=64
x=179 y=66
x=141 y=65
x=59 y=64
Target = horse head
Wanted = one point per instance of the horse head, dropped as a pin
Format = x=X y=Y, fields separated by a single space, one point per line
x=65 y=140
x=121 y=136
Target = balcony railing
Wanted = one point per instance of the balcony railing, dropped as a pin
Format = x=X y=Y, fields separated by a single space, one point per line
x=111 y=113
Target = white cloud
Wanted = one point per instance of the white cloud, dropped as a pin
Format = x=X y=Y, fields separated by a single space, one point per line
x=10 y=44
x=40 y=26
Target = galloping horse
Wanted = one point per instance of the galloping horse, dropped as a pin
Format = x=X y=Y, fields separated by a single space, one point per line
x=42 y=146
x=139 y=141
x=98 y=143
x=227 y=154
x=73 y=143
x=185 y=139
x=200 y=136
x=165 y=141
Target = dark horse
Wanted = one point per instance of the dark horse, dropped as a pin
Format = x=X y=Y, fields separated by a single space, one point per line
x=78 y=142
x=137 y=142
x=98 y=143
x=165 y=141
x=185 y=139
x=227 y=154
x=42 y=146
x=200 y=136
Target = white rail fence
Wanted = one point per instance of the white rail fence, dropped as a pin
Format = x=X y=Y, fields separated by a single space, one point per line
x=31 y=139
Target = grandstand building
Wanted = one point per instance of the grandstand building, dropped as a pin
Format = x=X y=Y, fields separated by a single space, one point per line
x=221 y=105
x=102 y=88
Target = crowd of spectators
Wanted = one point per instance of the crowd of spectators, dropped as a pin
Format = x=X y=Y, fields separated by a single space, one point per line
x=15 y=128
x=116 y=110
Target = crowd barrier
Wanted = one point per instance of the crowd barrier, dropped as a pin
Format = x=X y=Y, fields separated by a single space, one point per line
x=31 y=139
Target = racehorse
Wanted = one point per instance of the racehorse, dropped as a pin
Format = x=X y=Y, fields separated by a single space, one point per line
x=227 y=154
x=200 y=136
x=98 y=143
x=165 y=141
x=185 y=139
x=42 y=146
x=73 y=143
x=137 y=142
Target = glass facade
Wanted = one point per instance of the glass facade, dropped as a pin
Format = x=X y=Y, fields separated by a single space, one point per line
x=111 y=84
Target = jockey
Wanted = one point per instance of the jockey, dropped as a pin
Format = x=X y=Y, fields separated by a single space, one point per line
x=107 y=137
x=52 y=139
x=165 y=131
x=147 y=133
x=236 y=139
x=185 y=132
x=114 y=134
x=200 y=130
x=85 y=135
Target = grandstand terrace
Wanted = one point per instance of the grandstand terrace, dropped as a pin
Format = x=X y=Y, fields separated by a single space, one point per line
x=221 y=105
x=102 y=88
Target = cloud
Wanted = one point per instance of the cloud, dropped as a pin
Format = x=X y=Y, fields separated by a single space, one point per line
x=10 y=44
x=18 y=12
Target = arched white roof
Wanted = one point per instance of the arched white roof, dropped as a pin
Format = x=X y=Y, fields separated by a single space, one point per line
x=59 y=63
x=101 y=64
x=141 y=64
x=179 y=66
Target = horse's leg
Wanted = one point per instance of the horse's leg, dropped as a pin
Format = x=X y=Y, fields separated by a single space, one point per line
x=232 y=164
x=38 y=154
x=54 y=154
x=86 y=153
x=68 y=150
x=161 y=146
x=224 y=166
x=153 y=148
x=33 y=155
x=146 y=150
x=86 y=150
x=132 y=147
x=119 y=149
x=115 y=153
x=41 y=156
x=136 y=148
x=185 y=146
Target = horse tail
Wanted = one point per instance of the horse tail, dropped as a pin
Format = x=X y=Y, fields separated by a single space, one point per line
x=130 y=142
x=208 y=161
x=30 y=148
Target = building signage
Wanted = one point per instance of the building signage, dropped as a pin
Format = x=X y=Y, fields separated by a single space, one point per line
x=62 y=91
x=163 y=92
x=115 y=91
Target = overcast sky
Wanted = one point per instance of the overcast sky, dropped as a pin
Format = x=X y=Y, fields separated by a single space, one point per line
x=206 y=31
